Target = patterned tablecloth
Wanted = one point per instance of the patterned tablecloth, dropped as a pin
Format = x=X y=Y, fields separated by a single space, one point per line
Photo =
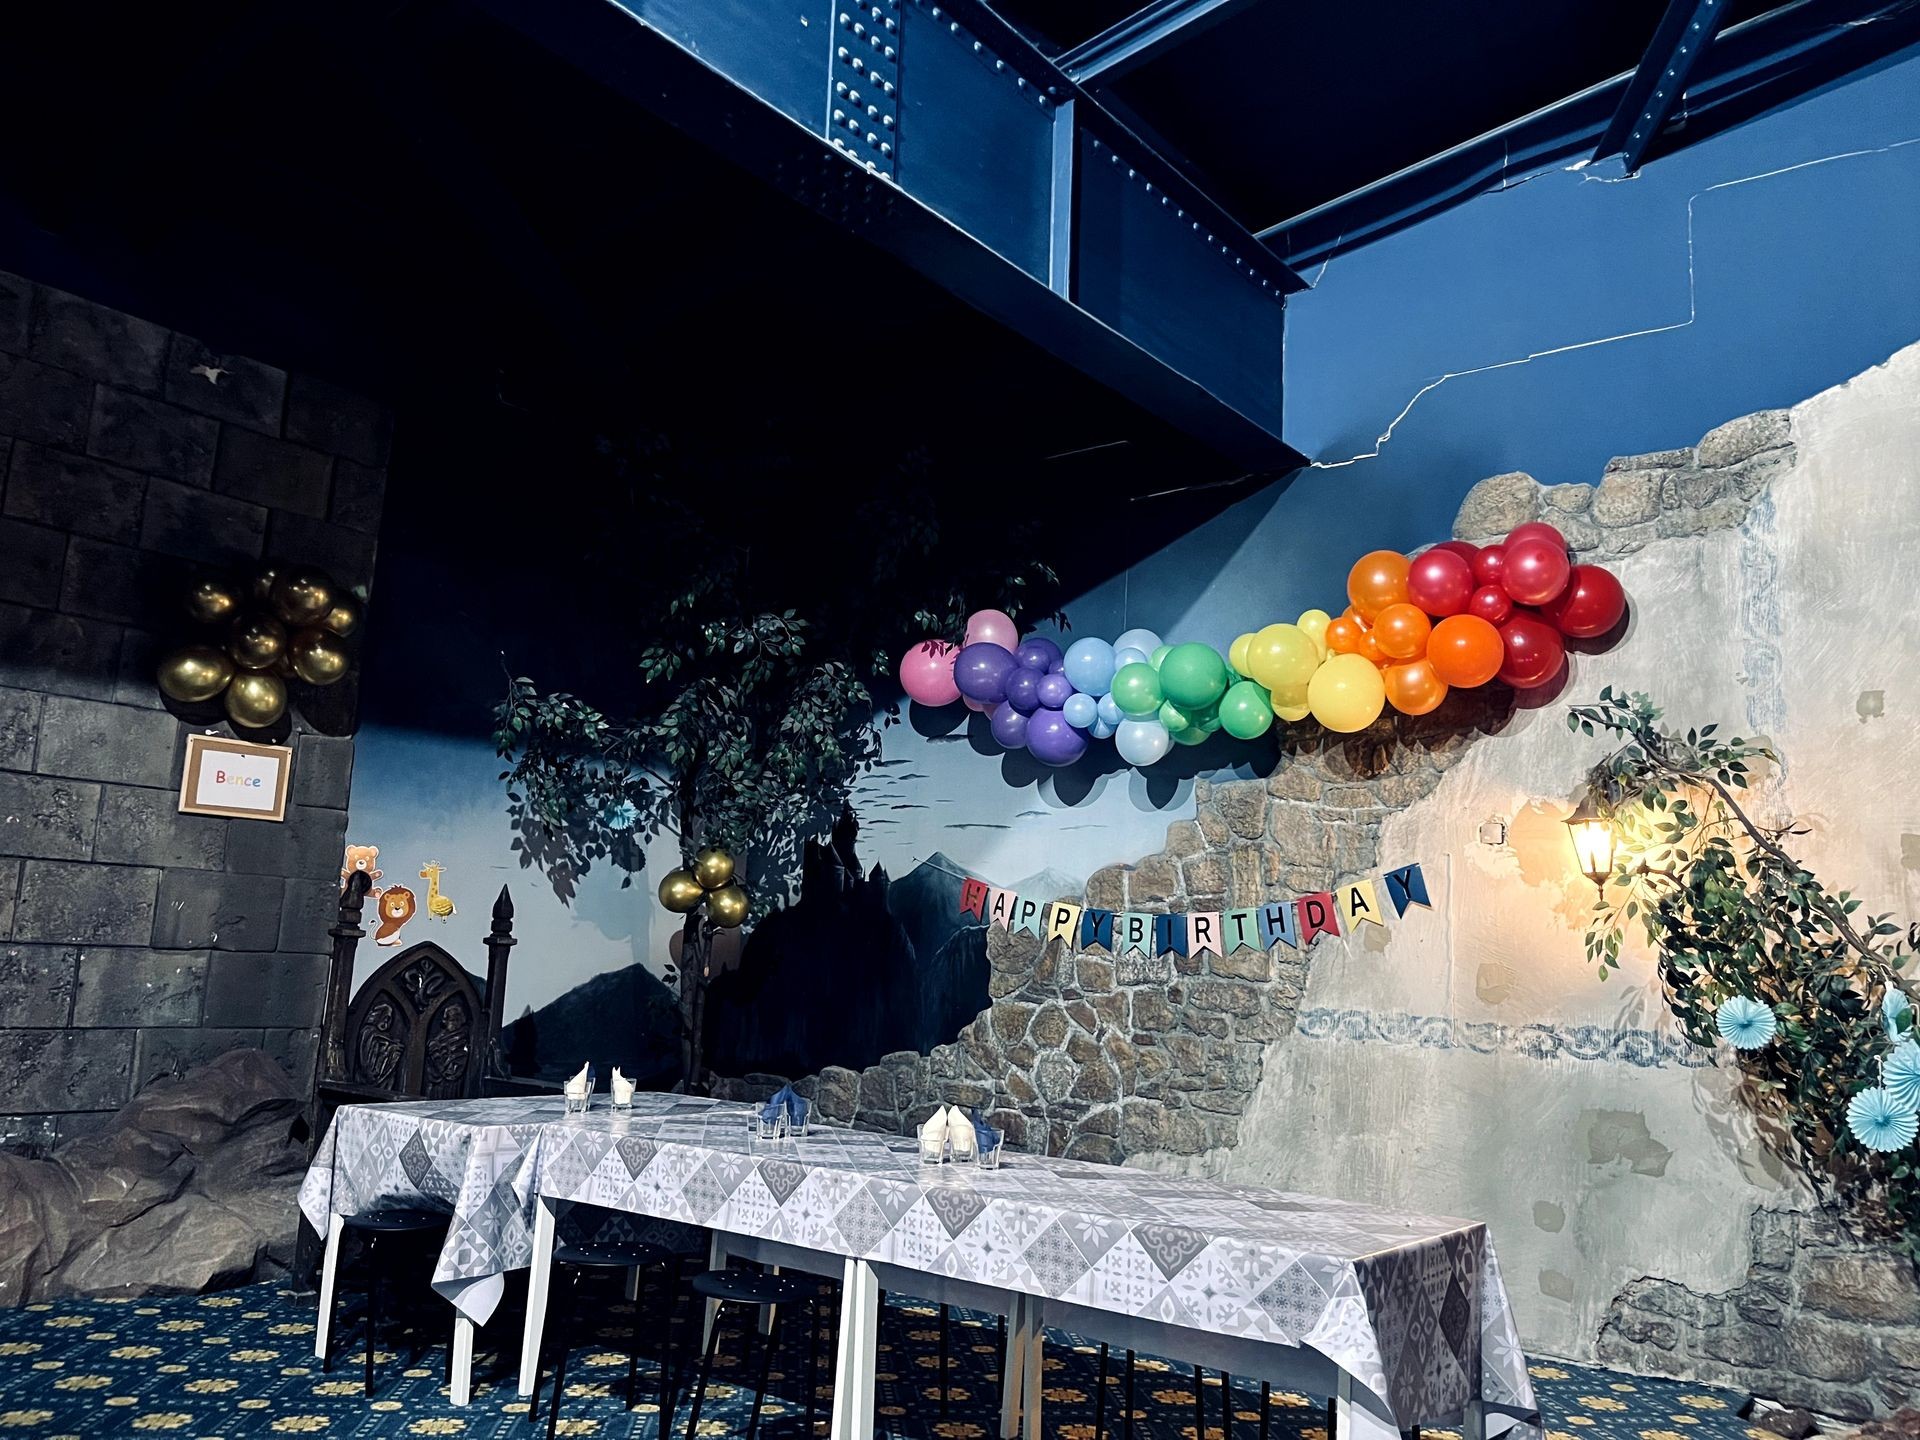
x=1407 y=1305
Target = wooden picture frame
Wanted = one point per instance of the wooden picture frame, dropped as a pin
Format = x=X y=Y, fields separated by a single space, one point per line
x=260 y=776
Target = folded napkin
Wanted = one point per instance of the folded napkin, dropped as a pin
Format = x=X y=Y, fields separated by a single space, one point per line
x=985 y=1136
x=797 y=1109
x=775 y=1110
x=582 y=1083
x=960 y=1134
x=933 y=1136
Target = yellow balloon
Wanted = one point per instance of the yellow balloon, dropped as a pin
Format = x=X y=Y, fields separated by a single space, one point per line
x=1237 y=654
x=727 y=906
x=195 y=673
x=680 y=892
x=713 y=867
x=1347 y=693
x=1315 y=623
x=1290 y=713
x=256 y=699
x=1282 y=657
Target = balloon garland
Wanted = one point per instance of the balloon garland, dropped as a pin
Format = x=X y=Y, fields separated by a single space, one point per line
x=1456 y=616
x=279 y=623
x=709 y=881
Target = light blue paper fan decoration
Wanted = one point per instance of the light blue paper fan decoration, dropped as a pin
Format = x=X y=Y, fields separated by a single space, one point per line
x=621 y=815
x=1900 y=1075
x=1878 y=1123
x=1894 y=1005
x=1745 y=1023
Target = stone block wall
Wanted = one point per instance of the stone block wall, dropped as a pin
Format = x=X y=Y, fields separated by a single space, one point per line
x=134 y=940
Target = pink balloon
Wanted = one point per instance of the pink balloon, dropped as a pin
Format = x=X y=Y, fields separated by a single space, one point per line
x=993 y=627
x=926 y=673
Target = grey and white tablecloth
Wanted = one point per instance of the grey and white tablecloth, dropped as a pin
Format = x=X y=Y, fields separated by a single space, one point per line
x=1407 y=1305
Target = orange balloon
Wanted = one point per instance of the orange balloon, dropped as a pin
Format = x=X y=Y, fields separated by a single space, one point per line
x=1401 y=631
x=1343 y=635
x=1465 y=650
x=1369 y=649
x=1414 y=688
x=1378 y=579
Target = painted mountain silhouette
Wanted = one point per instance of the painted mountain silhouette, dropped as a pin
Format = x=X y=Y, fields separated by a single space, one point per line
x=857 y=967
x=623 y=1017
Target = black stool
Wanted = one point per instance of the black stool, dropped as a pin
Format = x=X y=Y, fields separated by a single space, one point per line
x=752 y=1291
x=578 y=1260
x=374 y=1226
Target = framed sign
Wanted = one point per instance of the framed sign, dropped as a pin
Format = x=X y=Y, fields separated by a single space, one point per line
x=235 y=778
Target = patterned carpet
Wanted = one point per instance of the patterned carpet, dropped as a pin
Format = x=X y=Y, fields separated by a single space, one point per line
x=241 y=1363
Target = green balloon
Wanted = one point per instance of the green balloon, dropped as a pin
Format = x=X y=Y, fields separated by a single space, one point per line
x=1208 y=719
x=1192 y=735
x=1174 y=718
x=1245 y=711
x=1193 y=675
x=1158 y=655
x=1136 y=690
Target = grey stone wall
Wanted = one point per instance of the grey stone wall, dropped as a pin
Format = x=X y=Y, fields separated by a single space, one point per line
x=136 y=941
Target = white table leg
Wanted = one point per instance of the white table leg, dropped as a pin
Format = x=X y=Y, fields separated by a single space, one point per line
x=537 y=1285
x=1013 y=1371
x=1355 y=1417
x=329 y=1272
x=462 y=1360
x=1034 y=1371
x=716 y=1260
x=853 y=1370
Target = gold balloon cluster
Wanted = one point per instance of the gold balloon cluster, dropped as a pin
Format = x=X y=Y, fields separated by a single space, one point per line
x=710 y=881
x=281 y=623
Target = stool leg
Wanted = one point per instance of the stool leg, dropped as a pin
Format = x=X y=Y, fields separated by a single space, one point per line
x=1126 y=1430
x=945 y=1312
x=563 y=1338
x=706 y=1369
x=1100 y=1398
x=1332 y=1413
x=1226 y=1405
x=1266 y=1407
x=373 y=1313
x=767 y=1346
x=1199 y=1405
x=813 y=1360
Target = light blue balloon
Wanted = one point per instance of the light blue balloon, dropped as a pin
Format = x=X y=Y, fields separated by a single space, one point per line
x=1129 y=655
x=1081 y=711
x=1102 y=730
x=1089 y=665
x=1141 y=742
x=1145 y=641
x=1110 y=712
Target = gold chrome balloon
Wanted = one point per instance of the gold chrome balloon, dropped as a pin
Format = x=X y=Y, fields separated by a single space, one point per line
x=256 y=699
x=345 y=616
x=303 y=597
x=195 y=673
x=256 y=641
x=680 y=892
x=213 y=602
x=713 y=867
x=727 y=906
x=318 y=658
x=263 y=579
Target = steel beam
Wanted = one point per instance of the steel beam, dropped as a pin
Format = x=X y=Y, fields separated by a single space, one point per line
x=1652 y=94
x=1143 y=35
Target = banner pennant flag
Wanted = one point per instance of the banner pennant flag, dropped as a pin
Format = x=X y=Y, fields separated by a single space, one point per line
x=1169 y=933
x=1318 y=916
x=1000 y=908
x=1358 y=904
x=1135 y=933
x=1407 y=886
x=1026 y=914
x=1277 y=925
x=1242 y=930
x=1203 y=932
x=1063 y=920
x=973 y=898
x=1096 y=928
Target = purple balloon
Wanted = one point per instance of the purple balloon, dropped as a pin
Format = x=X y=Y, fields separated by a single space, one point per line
x=1009 y=727
x=1037 y=652
x=1023 y=689
x=981 y=672
x=1055 y=690
x=1052 y=740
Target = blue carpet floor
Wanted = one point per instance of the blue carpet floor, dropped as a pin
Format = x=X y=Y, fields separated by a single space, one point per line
x=241 y=1363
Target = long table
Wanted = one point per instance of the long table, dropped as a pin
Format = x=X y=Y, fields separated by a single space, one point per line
x=1402 y=1318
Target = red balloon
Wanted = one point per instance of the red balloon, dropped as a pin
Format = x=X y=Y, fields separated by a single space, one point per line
x=1536 y=528
x=1465 y=549
x=1533 y=651
x=1490 y=564
x=1440 y=582
x=1491 y=604
x=1535 y=569
x=1592 y=603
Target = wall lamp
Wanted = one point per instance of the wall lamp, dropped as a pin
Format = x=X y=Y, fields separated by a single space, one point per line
x=1593 y=840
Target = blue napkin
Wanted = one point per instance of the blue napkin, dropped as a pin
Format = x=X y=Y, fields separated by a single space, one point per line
x=985 y=1136
x=797 y=1108
x=771 y=1112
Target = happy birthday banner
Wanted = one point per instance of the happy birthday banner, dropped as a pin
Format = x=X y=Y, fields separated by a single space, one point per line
x=1297 y=923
